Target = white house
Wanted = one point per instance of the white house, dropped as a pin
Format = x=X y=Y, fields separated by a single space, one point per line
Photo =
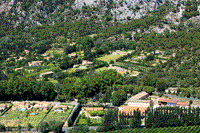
x=118 y=69
x=35 y=63
x=171 y=90
x=86 y=62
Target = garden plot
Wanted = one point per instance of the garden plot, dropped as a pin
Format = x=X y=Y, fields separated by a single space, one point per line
x=58 y=116
x=12 y=118
x=34 y=120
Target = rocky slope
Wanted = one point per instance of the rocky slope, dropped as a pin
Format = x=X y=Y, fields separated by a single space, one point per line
x=38 y=12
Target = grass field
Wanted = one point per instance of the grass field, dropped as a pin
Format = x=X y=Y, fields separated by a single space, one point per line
x=101 y=69
x=58 y=116
x=56 y=50
x=110 y=57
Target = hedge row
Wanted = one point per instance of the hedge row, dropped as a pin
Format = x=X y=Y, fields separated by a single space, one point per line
x=96 y=113
x=74 y=115
x=187 y=129
x=6 y=110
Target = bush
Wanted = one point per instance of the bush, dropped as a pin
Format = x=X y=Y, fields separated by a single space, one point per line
x=101 y=129
x=100 y=113
x=2 y=128
x=93 y=113
x=83 y=115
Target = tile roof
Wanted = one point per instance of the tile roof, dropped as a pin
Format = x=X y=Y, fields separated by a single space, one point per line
x=137 y=96
x=196 y=103
x=167 y=100
x=2 y=105
x=45 y=73
x=140 y=101
x=91 y=108
x=130 y=109
x=183 y=103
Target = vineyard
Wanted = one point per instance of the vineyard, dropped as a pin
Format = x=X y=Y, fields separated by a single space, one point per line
x=188 y=129
x=133 y=67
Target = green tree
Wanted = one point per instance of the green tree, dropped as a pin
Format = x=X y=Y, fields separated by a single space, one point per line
x=2 y=128
x=29 y=127
x=55 y=126
x=118 y=97
x=43 y=127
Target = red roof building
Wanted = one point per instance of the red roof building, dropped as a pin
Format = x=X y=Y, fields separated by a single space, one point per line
x=183 y=104
x=170 y=102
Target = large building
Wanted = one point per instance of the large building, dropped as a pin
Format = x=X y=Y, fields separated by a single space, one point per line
x=139 y=103
x=169 y=102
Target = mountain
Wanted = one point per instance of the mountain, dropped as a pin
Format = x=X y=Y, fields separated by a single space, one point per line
x=38 y=12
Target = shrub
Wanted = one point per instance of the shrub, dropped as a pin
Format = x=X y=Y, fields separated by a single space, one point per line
x=93 y=113
x=100 y=113
x=2 y=128
x=101 y=129
x=83 y=115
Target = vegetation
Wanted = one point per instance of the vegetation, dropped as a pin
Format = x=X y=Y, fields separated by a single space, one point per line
x=186 y=129
x=58 y=116
x=172 y=116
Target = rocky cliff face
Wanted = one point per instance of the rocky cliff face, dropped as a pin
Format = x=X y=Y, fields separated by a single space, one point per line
x=38 y=12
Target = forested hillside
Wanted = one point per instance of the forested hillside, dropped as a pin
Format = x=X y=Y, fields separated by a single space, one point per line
x=52 y=31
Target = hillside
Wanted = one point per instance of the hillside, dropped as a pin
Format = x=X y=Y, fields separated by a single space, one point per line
x=30 y=13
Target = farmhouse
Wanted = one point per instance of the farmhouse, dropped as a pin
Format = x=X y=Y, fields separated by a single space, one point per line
x=22 y=58
x=3 y=106
x=18 y=68
x=169 y=102
x=72 y=55
x=41 y=105
x=118 y=52
x=86 y=62
x=118 y=69
x=45 y=54
x=159 y=52
x=26 y=51
x=139 y=58
x=35 y=63
x=50 y=73
x=48 y=57
x=21 y=105
x=171 y=90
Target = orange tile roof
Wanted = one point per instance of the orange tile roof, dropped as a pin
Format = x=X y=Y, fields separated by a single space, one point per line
x=130 y=109
x=167 y=100
x=91 y=108
x=183 y=103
